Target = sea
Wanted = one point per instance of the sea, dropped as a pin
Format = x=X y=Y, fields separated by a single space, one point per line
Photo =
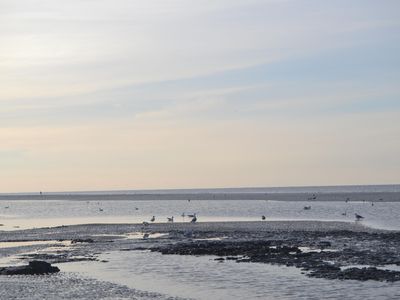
x=378 y=204
x=201 y=277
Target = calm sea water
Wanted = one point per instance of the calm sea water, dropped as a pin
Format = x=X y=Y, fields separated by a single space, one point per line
x=378 y=204
x=204 y=278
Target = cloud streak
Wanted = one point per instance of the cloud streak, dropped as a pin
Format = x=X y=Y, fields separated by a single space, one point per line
x=152 y=94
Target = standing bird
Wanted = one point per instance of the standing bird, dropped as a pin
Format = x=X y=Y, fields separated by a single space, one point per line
x=358 y=217
x=194 y=220
x=153 y=219
x=262 y=217
x=314 y=197
x=171 y=219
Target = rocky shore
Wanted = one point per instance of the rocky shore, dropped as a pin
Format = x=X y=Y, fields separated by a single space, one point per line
x=330 y=250
x=316 y=259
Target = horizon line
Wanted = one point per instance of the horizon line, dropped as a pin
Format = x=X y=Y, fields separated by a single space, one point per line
x=192 y=189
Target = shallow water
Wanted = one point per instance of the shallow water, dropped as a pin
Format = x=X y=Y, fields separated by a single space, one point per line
x=32 y=243
x=22 y=214
x=204 y=278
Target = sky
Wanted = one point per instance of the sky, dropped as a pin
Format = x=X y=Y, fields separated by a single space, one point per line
x=148 y=94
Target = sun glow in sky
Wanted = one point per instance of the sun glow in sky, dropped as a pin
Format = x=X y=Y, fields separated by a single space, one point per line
x=135 y=94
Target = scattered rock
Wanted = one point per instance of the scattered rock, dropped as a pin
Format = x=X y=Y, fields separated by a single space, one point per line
x=35 y=267
x=74 y=241
x=361 y=274
x=313 y=263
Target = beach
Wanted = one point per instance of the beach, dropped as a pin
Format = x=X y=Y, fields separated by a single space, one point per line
x=327 y=255
x=278 y=243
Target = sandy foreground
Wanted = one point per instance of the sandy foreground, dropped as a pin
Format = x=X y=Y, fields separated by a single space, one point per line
x=307 y=245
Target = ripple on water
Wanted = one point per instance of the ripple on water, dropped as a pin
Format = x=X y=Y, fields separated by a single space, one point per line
x=204 y=278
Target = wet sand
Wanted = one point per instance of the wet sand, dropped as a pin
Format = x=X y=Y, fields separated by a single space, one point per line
x=88 y=230
x=302 y=244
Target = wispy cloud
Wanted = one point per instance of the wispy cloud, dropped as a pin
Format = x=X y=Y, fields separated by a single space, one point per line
x=205 y=93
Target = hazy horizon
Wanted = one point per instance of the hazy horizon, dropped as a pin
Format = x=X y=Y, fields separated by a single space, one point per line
x=110 y=95
x=261 y=189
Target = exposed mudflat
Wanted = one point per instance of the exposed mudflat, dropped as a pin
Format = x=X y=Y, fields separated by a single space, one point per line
x=329 y=250
x=68 y=286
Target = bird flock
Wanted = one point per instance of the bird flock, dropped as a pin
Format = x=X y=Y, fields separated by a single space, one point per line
x=193 y=217
x=357 y=216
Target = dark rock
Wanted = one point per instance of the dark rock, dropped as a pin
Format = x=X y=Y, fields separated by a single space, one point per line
x=360 y=274
x=319 y=264
x=34 y=268
x=232 y=258
x=82 y=241
x=324 y=244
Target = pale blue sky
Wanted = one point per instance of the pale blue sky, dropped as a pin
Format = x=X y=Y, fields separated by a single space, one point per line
x=177 y=94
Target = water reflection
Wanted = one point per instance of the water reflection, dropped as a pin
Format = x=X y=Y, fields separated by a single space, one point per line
x=47 y=213
x=204 y=278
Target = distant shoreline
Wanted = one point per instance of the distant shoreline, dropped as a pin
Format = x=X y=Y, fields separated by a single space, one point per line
x=272 y=196
x=368 y=188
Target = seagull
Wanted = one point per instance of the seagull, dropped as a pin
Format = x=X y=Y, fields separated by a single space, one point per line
x=307 y=207
x=263 y=217
x=171 y=219
x=358 y=217
x=153 y=219
x=146 y=236
x=194 y=220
